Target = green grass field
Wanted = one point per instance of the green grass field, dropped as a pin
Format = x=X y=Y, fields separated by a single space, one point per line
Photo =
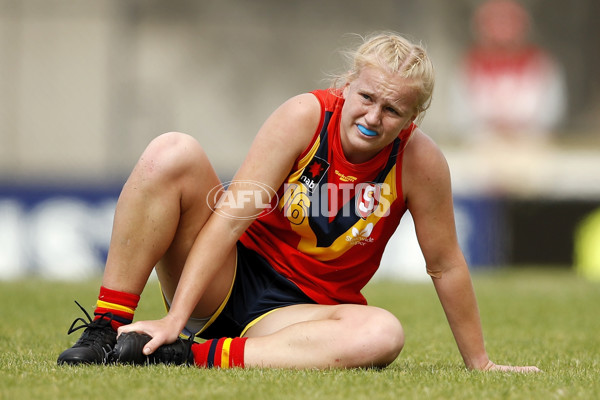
x=546 y=317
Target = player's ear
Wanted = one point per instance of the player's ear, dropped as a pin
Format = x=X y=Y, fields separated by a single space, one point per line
x=411 y=120
x=345 y=90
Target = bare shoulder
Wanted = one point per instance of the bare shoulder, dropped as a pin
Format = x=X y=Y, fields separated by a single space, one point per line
x=422 y=151
x=424 y=165
x=304 y=108
x=306 y=102
x=294 y=122
x=281 y=139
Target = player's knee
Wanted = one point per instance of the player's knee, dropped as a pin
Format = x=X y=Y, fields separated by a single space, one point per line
x=171 y=155
x=381 y=339
x=389 y=335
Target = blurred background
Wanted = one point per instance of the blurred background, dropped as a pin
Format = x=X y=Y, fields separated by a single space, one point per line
x=86 y=84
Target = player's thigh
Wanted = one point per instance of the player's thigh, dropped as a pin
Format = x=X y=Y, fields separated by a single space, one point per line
x=358 y=319
x=169 y=273
x=197 y=183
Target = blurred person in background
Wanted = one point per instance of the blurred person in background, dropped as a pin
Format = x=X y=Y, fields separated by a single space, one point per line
x=508 y=96
x=508 y=87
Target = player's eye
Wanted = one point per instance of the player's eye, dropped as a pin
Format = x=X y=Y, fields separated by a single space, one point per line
x=392 y=110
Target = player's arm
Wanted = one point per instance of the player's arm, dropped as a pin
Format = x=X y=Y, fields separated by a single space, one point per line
x=426 y=184
x=426 y=180
x=281 y=139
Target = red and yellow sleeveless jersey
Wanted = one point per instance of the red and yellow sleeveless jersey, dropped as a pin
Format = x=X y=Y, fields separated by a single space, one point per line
x=331 y=219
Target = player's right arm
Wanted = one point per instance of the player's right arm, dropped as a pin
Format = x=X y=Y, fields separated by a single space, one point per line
x=279 y=142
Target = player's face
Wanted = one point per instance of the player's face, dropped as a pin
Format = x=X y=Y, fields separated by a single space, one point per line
x=377 y=107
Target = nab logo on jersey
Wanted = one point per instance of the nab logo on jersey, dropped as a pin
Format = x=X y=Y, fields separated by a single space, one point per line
x=313 y=173
x=368 y=196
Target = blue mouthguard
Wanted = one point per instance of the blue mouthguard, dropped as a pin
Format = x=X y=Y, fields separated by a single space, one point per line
x=366 y=131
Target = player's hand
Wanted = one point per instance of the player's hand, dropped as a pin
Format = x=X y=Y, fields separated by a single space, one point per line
x=162 y=331
x=509 y=368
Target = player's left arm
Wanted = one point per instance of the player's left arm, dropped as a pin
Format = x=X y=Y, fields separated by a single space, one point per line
x=427 y=191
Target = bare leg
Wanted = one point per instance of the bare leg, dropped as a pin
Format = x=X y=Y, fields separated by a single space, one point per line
x=318 y=336
x=161 y=209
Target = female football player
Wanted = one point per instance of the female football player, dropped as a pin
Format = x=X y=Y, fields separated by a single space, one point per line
x=270 y=269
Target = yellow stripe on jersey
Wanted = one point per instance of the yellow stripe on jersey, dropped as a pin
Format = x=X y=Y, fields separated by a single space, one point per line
x=304 y=161
x=225 y=353
x=113 y=306
x=359 y=232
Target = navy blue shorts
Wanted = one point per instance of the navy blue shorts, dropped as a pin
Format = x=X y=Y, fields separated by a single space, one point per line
x=257 y=290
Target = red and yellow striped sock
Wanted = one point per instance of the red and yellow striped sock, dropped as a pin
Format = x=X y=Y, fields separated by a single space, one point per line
x=220 y=353
x=121 y=305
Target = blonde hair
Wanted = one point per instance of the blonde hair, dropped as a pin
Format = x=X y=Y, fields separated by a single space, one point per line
x=395 y=55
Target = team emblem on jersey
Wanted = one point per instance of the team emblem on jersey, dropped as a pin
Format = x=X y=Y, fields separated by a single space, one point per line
x=313 y=173
x=361 y=237
x=367 y=198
